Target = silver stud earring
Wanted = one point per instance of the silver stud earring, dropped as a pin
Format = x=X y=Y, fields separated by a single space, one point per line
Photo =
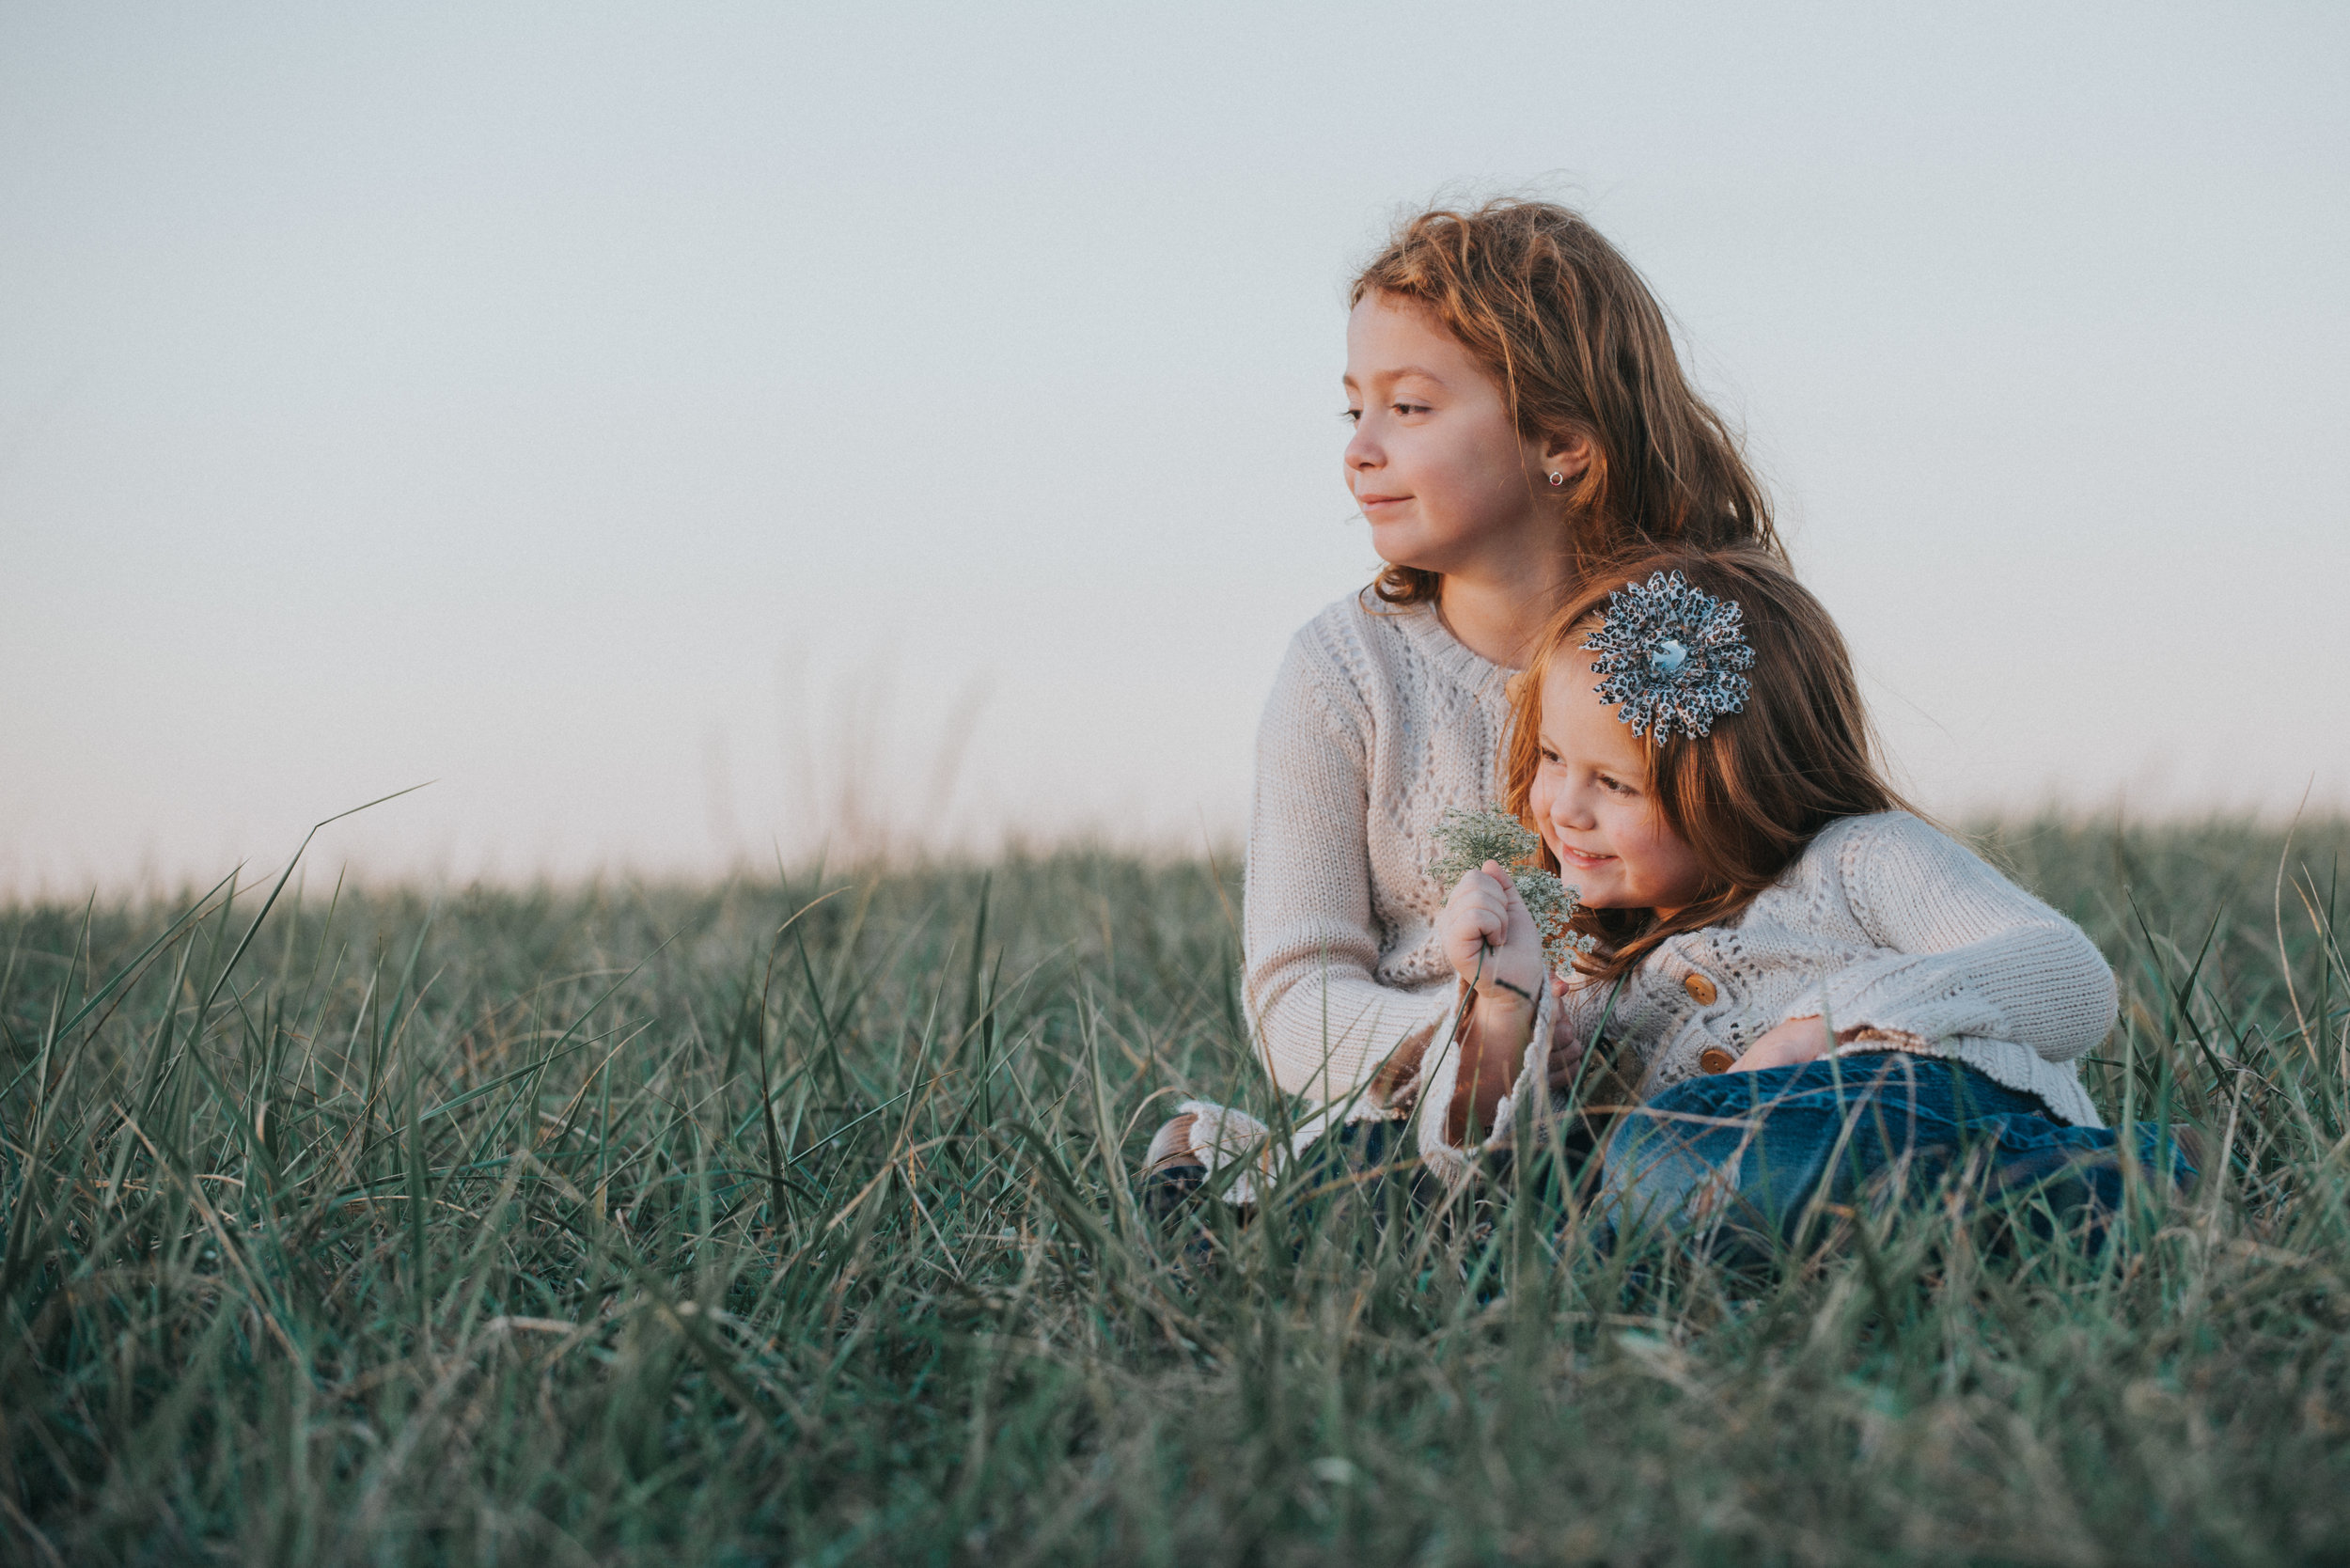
x=1557 y=480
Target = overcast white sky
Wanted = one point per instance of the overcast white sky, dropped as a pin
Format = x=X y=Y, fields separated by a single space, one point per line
x=660 y=424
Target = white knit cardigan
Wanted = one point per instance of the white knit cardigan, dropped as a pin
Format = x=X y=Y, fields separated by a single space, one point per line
x=1379 y=720
x=1899 y=936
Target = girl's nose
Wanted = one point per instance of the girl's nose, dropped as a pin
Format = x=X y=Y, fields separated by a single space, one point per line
x=1362 y=452
x=1572 y=807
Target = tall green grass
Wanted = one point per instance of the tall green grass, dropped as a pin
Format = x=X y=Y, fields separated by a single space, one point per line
x=791 y=1221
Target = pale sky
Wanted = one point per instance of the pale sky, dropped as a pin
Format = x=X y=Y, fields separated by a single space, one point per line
x=684 y=431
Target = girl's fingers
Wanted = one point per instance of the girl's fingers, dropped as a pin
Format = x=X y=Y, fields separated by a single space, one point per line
x=1564 y=1060
x=1516 y=917
x=1478 y=889
x=1503 y=885
x=1487 y=911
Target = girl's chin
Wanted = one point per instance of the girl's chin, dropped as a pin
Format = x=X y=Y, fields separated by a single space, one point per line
x=1403 y=556
x=1591 y=896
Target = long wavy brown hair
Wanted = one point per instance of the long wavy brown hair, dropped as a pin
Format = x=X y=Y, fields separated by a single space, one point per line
x=1579 y=345
x=1750 y=797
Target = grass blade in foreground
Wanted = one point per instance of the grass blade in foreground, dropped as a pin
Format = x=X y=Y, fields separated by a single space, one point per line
x=316 y=1267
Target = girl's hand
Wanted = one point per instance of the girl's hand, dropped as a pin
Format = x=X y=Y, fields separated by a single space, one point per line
x=1490 y=940
x=1796 y=1040
x=1566 y=1054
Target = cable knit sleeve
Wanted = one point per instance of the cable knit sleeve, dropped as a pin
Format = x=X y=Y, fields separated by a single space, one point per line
x=1970 y=953
x=1323 y=1021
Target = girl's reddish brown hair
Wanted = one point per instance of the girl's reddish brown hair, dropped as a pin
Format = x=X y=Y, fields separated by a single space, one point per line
x=1579 y=345
x=1747 y=798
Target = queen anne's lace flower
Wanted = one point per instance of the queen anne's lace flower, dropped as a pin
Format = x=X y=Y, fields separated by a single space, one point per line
x=1467 y=840
x=1671 y=656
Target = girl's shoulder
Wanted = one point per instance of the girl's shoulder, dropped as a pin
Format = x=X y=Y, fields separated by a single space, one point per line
x=1876 y=832
x=1855 y=846
x=1850 y=852
x=1364 y=643
x=1891 y=870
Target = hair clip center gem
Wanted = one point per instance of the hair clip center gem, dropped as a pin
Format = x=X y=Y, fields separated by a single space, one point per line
x=1667 y=656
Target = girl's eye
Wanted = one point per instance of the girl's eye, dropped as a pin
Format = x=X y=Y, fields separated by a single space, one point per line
x=1408 y=409
x=1352 y=415
x=1615 y=785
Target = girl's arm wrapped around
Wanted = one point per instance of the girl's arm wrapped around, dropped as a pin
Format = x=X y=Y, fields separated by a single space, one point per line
x=1966 y=951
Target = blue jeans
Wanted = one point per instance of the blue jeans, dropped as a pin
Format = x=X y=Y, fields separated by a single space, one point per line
x=1749 y=1155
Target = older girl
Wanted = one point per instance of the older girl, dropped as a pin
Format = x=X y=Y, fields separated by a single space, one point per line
x=1807 y=983
x=1519 y=413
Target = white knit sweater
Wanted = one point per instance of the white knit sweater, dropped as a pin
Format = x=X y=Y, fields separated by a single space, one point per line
x=1900 y=938
x=1379 y=720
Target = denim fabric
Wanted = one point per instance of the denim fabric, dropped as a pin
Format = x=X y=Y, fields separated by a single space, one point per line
x=1748 y=1153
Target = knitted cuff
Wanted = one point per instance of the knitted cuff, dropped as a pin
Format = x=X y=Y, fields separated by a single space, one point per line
x=1908 y=995
x=1868 y=1037
x=1442 y=1083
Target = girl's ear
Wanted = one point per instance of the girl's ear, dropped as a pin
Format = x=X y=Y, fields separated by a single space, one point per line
x=1568 y=454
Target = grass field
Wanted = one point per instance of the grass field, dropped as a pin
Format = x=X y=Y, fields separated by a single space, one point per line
x=789 y=1221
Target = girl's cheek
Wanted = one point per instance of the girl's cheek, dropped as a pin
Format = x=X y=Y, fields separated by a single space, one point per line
x=1538 y=803
x=1632 y=836
x=1673 y=865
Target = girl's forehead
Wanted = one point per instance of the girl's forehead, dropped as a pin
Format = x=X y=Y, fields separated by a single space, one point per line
x=1391 y=334
x=1574 y=715
x=1569 y=672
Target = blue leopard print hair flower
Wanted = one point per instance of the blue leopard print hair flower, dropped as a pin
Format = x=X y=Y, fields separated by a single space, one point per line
x=1673 y=657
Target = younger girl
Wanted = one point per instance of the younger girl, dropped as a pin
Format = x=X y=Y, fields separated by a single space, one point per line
x=1518 y=413
x=1807 y=983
